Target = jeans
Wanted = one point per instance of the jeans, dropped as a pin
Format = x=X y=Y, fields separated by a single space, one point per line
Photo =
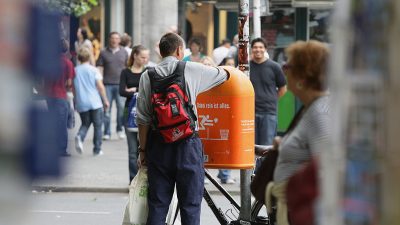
x=224 y=174
x=179 y=163
x=96 y=117
x=265 y=125
x=112 y=92
x=58 y=109
x=132 y=139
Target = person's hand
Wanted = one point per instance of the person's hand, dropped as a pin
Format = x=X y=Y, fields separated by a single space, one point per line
x=276 y=142
x=141 y=161
x=106 y=105
x=132 y=89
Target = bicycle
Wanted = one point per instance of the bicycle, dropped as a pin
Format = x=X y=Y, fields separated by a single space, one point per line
x=256 y=215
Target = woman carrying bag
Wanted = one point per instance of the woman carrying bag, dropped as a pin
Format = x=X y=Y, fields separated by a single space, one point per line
x=128 y=86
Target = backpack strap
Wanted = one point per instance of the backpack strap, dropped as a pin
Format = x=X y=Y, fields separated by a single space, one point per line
x=152 y=73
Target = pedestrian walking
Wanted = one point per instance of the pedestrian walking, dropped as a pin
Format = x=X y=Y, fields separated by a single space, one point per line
x=111 y=62
x=84 y=42
x=90 y=100
x=170 y=162
x=309 y=134
x=269 y=85
x=57 y=103
x=128 y=86
x=126 y=43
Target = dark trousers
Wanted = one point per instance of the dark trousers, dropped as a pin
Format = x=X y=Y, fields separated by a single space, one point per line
x=58 y=109
x=178 y=163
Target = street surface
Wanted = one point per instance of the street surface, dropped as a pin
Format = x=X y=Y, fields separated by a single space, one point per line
x=94 y=209
x=93 y=190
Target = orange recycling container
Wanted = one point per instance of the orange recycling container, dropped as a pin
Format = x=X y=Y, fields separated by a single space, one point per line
x=226 y=123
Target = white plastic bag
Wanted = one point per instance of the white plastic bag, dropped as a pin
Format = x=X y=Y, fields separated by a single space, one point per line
x=136 y=210
x=137 y=205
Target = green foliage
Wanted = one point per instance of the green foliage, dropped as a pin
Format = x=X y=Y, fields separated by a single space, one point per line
x=76 y=7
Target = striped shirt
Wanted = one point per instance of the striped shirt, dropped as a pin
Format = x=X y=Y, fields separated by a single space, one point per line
x=307 y=139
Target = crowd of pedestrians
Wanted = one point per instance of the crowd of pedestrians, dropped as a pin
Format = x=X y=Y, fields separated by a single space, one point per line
x=120 y=72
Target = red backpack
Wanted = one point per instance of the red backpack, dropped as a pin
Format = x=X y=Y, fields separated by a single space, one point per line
x=173 y=114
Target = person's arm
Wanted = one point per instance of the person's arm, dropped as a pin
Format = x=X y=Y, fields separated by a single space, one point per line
x=280 y=81
x=102 y=91
x=201 y=78
x=144 y=115
x=281 y=91
x=123 y=88
x=100 y=64
x=143 y=133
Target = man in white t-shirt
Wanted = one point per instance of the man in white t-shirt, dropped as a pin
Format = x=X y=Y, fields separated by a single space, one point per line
x=222 y=51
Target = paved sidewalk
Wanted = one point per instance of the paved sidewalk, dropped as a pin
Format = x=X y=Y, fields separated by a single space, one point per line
x=105 y=173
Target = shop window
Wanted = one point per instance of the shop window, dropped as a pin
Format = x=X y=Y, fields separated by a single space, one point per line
x=279 y=32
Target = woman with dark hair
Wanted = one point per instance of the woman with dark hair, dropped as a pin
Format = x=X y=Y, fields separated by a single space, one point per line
x=84 y=42
x=195 y=48
x=128 y=86
x=228 y=61
x=309 y=133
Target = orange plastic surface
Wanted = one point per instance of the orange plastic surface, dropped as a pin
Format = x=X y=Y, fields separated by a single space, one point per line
x=226 y=123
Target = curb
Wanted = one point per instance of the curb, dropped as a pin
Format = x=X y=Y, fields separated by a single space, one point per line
x=105 y=190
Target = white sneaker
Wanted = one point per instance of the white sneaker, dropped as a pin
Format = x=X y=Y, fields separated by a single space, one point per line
x=121 y=135
x=106 y=137
x=78 y=144
x=99 y=153
x=206 y=181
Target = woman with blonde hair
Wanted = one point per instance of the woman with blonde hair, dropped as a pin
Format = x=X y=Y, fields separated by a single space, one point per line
x=308 y=135
x=128 y=86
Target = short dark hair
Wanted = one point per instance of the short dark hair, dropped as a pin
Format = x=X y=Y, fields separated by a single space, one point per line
x=84 y=33
x=169 y=43
x=262 y=40
x=196 y=41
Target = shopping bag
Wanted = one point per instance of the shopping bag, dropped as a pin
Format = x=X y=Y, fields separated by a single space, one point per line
x=131 y=123
x=137 y=205
x=136 y=209
x=71 y=110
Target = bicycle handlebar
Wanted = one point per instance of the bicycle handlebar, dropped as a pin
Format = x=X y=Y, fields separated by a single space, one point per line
x=260 y=150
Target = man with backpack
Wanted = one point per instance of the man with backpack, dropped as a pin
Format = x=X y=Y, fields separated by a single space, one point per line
x=168 y=138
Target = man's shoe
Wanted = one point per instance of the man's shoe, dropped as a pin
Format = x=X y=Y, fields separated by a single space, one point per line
x=98 y=153
x=228 y=181
x=106 y=137
x=121 y=135
x=78 y=144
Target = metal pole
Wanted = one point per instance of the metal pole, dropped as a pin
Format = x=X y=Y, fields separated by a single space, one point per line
x=243 y=58
x=256 y=19
x=182 y=18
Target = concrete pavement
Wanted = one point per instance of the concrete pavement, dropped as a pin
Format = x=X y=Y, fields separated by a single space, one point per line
x=105 y=173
